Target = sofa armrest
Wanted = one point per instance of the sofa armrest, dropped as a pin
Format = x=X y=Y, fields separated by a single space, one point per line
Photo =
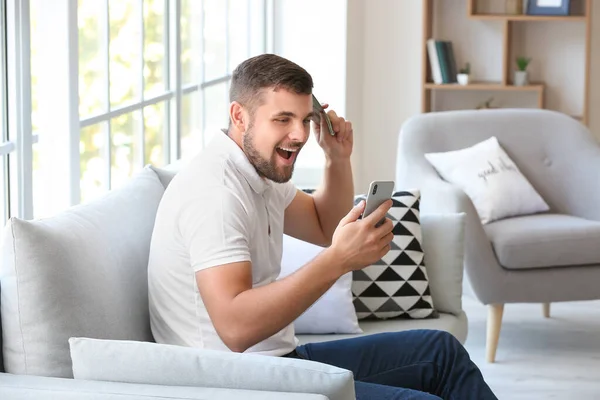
x=443 y=245
x=161 y=364
x=486 y=276
x=580 y=194
x=17 y=387
x=441 y=197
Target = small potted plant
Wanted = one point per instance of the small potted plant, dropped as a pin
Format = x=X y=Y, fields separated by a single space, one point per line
x=521 y=74
x=463 y=76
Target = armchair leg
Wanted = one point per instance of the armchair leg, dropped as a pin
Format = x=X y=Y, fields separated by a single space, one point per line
x=546 y=310
x=494 y=322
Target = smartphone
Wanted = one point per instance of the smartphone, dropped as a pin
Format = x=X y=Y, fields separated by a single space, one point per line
x=379 y=193
x=318 y=110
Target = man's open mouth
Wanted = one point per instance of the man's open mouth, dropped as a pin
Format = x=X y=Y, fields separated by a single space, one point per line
x=287 y=153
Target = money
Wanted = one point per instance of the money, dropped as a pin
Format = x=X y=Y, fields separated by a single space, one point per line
x=318 y=111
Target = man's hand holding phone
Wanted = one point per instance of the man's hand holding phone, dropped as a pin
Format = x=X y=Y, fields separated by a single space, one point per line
x=333 y=133
x=360 y=243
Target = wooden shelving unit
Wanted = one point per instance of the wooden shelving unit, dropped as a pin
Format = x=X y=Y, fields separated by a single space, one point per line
x=532 y=18
x=583 y=15
x=486 y=86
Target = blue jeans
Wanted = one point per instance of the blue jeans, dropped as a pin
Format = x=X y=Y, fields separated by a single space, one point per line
x=418 y=364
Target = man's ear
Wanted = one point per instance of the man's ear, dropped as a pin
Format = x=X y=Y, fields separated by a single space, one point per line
x=238 y=116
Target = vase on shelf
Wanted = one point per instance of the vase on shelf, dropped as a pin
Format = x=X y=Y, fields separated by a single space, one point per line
x=521 y=78
x=514 y=7
x=463 y=79
x=463 y=76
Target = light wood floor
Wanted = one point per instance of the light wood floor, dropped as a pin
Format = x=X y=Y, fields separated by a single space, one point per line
x=538 y=358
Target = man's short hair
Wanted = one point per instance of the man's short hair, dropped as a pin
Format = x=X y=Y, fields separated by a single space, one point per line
x=265 y=71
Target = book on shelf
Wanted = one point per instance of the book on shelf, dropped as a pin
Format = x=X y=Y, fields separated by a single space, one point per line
x=451 y=61
x=434 y=62
x=442 y=61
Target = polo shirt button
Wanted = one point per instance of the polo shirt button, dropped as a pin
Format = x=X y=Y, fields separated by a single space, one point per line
x=547 y=162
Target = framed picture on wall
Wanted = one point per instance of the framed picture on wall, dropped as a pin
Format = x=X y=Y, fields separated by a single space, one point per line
x=548 y=7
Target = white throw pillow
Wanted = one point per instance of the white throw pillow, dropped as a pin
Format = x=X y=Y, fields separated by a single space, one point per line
x=161 y=364
x=491 y=179
x=334 y=311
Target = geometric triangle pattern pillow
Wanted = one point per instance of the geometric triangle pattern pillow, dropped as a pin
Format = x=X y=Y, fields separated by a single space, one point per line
x=397 y=285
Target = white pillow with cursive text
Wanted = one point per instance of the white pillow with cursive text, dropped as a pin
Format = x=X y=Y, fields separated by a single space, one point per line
x=491 y=179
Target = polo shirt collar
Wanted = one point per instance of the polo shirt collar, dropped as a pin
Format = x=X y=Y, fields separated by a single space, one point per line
x=228 y=146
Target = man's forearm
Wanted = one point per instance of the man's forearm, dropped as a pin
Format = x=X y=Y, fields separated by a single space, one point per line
x=334 y=199
x=261 y=312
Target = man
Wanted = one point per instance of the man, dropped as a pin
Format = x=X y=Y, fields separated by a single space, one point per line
x=217 y=245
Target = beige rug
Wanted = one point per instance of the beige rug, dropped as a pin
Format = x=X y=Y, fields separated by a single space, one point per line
x=538 y=358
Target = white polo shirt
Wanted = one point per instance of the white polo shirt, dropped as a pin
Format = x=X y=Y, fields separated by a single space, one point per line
x=217 y=210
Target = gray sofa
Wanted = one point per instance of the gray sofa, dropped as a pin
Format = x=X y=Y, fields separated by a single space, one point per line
x=82 y=273
x=543 y=258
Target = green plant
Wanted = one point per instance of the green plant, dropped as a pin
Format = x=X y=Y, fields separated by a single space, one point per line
x=522 y=63
x=466 y=69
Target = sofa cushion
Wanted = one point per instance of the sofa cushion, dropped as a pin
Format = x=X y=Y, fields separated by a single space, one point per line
x=23 y=387
x=166 y=174
x=540 y=241
x=454 y=324
x=1 y=356
x=81 y=272
x=161 y=364
x=397 y=285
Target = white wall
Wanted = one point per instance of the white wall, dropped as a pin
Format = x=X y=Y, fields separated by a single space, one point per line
x=355 y=72
x=594 y=106
x=391 y=82
x=312 y=33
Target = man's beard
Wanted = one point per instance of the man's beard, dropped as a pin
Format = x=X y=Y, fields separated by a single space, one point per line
x=265 y=168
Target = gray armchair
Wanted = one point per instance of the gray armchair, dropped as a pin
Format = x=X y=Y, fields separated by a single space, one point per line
x=544 y=258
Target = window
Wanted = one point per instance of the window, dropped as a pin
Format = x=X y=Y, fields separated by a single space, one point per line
x=118 y=84
x=5 y=146
x=16 y=139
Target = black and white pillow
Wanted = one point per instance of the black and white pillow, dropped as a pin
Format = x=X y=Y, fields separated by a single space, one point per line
x=397 y=285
